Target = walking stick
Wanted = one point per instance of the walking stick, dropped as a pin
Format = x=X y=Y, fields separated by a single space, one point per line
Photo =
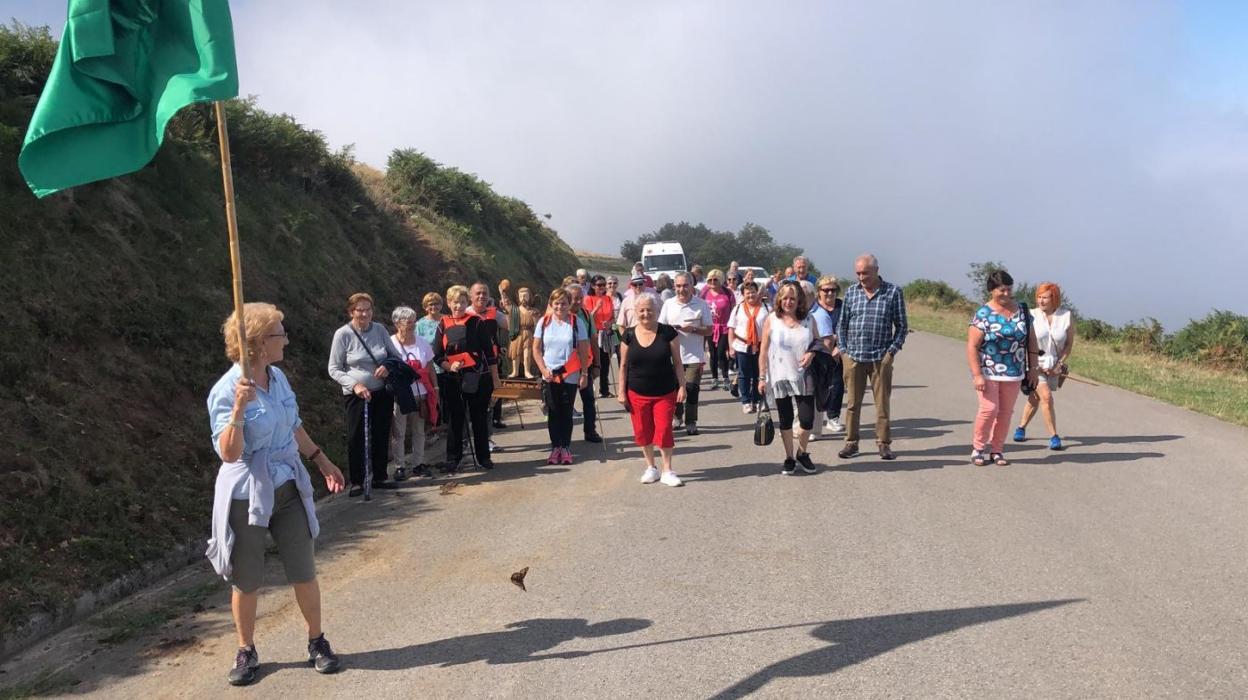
x=368 y=454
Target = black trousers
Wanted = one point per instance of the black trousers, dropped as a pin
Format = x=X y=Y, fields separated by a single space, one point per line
x=589 y=409
x=559 y=398
x=604 y=365
x=836 y=395
x=805 y=412
x=461 y=407
x=719 y=355
x=380 y=414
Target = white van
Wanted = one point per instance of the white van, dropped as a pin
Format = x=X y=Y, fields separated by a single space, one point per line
x=663 y=258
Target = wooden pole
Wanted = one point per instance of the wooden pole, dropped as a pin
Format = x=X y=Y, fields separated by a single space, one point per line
x=231 y=220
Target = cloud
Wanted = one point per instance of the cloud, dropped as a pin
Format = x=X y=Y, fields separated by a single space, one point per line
x=1070 y=140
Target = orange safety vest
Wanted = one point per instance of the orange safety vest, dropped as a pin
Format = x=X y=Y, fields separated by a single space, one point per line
x=463 y=357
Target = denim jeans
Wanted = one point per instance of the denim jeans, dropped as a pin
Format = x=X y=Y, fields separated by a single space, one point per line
x=747 y=377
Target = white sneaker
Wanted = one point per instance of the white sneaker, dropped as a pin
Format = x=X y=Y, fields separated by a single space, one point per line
x=493 y=446
x=650 y=476
x=670 y=479
x=745 y=408
x=834 y=426
x=678 y=423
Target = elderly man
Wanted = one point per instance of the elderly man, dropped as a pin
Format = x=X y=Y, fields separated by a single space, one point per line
x=871 y=331
x=801 y=270
x=582 y=278
x=691 y=317
x=493 y=320
x=638 y=270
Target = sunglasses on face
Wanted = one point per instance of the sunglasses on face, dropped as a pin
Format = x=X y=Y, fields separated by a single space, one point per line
x=832 y=290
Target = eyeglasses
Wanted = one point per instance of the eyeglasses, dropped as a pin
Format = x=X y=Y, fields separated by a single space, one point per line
x=277 y=335
x=600 y=284
x=830 y=290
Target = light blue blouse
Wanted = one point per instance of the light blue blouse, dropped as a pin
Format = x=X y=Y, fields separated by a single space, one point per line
x=271 y=421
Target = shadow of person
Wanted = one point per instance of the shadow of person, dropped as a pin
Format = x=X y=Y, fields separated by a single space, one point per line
x=520 y=642
x=855 y=641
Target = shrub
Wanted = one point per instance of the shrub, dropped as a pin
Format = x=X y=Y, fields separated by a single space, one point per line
x=1219 y=339
x=938 y=294
x=1094 y=329
x=1145 y=335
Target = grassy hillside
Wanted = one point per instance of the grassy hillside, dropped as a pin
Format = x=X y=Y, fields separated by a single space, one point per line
x=116 y=292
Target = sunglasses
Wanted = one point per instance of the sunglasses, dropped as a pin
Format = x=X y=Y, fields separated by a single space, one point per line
x=830 y=290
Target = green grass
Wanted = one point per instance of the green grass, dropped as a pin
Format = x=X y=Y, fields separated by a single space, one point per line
x=1218 y=393
x=126 y=624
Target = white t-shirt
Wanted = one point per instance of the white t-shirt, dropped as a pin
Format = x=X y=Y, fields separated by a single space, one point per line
x=558 y=344
x=418 y=350
x=739 y=322
x=696 y=312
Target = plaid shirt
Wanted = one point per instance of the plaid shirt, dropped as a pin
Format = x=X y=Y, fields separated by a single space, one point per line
x=871 y=327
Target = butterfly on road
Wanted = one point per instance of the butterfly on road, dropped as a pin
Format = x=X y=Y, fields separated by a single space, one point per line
x=448 y=489
x=518 y=578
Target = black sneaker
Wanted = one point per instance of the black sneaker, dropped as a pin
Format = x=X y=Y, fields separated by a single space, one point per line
x=789 y=467
x=449 y=467
x=400 y=473
x=593 y=437
x=487 y=465
x=246 y=661
x=499 y=425
x=322 y=658
x=355 y=491
x=807 y=464
x=691 y=428
x=735 y=391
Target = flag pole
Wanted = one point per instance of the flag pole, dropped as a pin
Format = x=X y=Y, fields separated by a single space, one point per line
x=231 y=220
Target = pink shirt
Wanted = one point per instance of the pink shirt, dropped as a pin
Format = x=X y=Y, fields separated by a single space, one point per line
x=721 y=308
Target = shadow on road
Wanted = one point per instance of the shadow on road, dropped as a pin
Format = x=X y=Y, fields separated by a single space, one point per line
x=520 y=642
x=854 y=641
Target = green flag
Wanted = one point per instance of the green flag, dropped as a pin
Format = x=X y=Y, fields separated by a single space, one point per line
x=124 y=68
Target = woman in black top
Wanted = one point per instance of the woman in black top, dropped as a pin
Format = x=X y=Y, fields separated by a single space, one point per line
x=651 y=384
x=464 y=348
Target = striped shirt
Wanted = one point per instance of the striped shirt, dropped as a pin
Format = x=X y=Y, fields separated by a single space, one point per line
x=871 y=327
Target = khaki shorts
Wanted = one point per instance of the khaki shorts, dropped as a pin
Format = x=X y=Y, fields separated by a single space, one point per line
x=289 y=528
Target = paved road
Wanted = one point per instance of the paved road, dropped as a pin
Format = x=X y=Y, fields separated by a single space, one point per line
x=1113 y=569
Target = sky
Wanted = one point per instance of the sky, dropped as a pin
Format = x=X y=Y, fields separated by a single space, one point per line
x=1100 y=145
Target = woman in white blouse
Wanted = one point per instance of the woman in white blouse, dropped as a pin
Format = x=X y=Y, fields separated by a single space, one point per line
x=784 y=356
x=1054 y=328
x=418 y=354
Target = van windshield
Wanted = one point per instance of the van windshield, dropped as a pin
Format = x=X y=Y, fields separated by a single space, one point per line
x=671 y=261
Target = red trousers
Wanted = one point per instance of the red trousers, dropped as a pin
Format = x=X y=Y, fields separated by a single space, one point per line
x=652 y=418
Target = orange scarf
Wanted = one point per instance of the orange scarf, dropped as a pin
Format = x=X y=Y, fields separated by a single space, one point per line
x=751 y=333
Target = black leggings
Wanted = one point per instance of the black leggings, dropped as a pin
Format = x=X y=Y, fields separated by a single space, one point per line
x=380 y=413
x=719 y=355
x=805 y=412
x=559 y=398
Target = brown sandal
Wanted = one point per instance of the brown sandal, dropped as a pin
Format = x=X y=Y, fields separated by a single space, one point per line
x=978 y=459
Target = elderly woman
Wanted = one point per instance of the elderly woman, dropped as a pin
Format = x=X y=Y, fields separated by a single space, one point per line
x=464 y=348
x=561 y=349
x=745 y=333
x=651 y=385
x=721 y=301
x=262 y=486
x=664 y=287
x=1001 y=354
x=356 y=355
x=418 y=354
x=1054 y=328
x=785 y=354
x=827 y=314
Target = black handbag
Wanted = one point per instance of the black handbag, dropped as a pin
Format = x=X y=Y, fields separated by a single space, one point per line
x=470 y=381
x=764 y=427
x=1027 y=387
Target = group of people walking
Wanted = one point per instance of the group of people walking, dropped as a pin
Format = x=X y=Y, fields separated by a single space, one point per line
x=792 y=343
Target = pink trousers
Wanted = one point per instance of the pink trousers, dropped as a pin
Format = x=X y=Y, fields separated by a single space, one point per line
x=992 y=422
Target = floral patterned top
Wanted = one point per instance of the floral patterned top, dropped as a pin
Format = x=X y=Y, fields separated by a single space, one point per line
x=1003 y=352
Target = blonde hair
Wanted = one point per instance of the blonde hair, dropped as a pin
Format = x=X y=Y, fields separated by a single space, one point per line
x=828 y=280
x=718 y=274
x=455 y=292
x=793 y=289
x=357 y=298
x=258 y=317
x=430 y=298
